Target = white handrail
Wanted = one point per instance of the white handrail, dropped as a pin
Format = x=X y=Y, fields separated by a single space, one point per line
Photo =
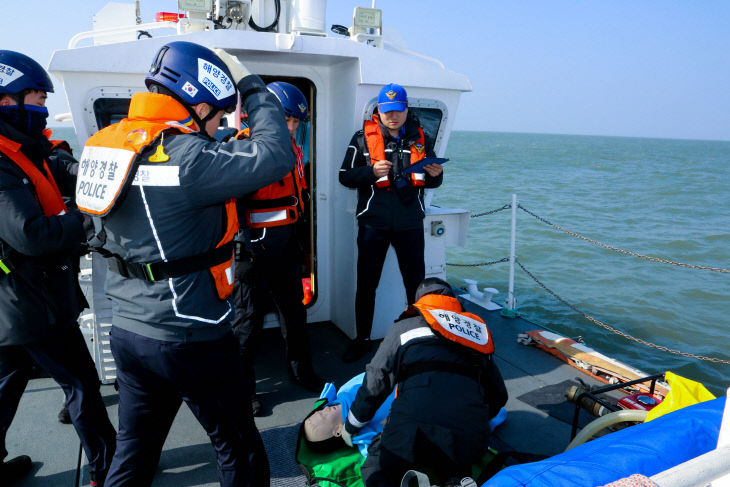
x=119 y=30
x=510 y=303
x=412 y=53
x=698 y=472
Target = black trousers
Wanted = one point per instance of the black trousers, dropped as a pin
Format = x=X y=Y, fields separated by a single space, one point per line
x=385 y=467
x=271 y=282
x=372 y=247
x=65 y=357
x=154 y=378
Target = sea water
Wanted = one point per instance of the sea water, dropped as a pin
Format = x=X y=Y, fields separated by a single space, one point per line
x=663 y=198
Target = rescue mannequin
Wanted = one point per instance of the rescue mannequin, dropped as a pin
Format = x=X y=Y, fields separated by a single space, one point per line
x=169 y=240
x=390 y=207
x=268 y=270
x=448 y=389
x=40 y=242
x=321 y=450
x=324 y=424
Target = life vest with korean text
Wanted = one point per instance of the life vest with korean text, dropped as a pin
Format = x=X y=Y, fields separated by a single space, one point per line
x=279 y=203
x=446 y=317
x=108 y=167
x=46 y=190
x=376 y=151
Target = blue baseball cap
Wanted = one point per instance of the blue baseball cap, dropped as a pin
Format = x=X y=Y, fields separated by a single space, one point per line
x=392 y=97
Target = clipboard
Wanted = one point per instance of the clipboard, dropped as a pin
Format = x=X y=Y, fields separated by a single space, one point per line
x=418 y=167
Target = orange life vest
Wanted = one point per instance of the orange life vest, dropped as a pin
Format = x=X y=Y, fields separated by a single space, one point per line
x=123 y=142
x=376 y=148
x=109 y=161
x=446 y=317
x=46 y=189
x=278 y=203
x=57 y=144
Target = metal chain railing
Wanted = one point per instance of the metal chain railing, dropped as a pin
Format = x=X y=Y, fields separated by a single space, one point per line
x=627 y=252
x=506 y=259
x=617 y=331
x=505 y=207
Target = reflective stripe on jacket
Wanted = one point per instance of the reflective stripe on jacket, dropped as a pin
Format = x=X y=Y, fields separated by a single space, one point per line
x=376 y=151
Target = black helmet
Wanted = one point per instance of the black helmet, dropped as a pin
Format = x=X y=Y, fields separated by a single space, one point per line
x=18 y=73
x=434 y=285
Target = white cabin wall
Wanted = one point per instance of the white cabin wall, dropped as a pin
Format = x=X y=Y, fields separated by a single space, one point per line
x=79 y=96
x=347 y=107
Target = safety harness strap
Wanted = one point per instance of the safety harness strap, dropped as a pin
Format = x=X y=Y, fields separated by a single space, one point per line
x=8 y=262
x=157 y=271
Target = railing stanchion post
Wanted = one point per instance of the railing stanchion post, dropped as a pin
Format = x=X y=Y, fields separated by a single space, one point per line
x=509 y=310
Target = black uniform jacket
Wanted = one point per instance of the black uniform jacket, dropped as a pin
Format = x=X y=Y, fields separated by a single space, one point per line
x=446 y=408
x=41 y=293
x=389 y=208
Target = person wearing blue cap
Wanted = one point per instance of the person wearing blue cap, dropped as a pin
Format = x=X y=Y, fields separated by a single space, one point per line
x=390 y=207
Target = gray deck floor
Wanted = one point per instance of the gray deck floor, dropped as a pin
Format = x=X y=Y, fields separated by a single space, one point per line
x=189 y=461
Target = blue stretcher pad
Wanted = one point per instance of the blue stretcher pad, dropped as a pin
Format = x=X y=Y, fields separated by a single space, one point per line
x=647 y=448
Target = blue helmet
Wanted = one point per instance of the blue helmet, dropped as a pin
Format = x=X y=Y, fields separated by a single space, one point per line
x=193 y=73
x=292 y=100
x=18 y=72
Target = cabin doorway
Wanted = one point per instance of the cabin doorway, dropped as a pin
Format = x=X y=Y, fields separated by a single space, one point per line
x=306 y=226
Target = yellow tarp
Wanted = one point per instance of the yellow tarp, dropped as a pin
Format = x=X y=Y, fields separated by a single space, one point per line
x=684 y=392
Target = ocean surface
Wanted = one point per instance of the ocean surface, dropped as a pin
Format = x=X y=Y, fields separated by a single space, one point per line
x=663 y=198
x=658 y=197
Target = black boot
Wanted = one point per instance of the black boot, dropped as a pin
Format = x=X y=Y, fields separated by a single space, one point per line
x=256 y=406
x=15 y=469
x=63 y=415
x=357 y=349
x=96 y=480
x=303 y=374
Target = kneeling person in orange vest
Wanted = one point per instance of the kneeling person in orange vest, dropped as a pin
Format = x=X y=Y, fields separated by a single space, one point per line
x=448 y=388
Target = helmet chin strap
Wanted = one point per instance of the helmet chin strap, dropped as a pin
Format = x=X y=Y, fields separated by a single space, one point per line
x=212 y=113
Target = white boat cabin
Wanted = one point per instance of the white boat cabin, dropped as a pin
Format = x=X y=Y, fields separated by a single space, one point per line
x=341 y=76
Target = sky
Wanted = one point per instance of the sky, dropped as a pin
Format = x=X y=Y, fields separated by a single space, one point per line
x=648 y=68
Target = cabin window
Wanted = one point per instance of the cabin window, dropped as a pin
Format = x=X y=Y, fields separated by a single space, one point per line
x=430 y=119
x=431 y=113
x=110 y=110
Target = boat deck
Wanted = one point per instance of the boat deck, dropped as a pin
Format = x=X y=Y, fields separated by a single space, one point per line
x=538 y=418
